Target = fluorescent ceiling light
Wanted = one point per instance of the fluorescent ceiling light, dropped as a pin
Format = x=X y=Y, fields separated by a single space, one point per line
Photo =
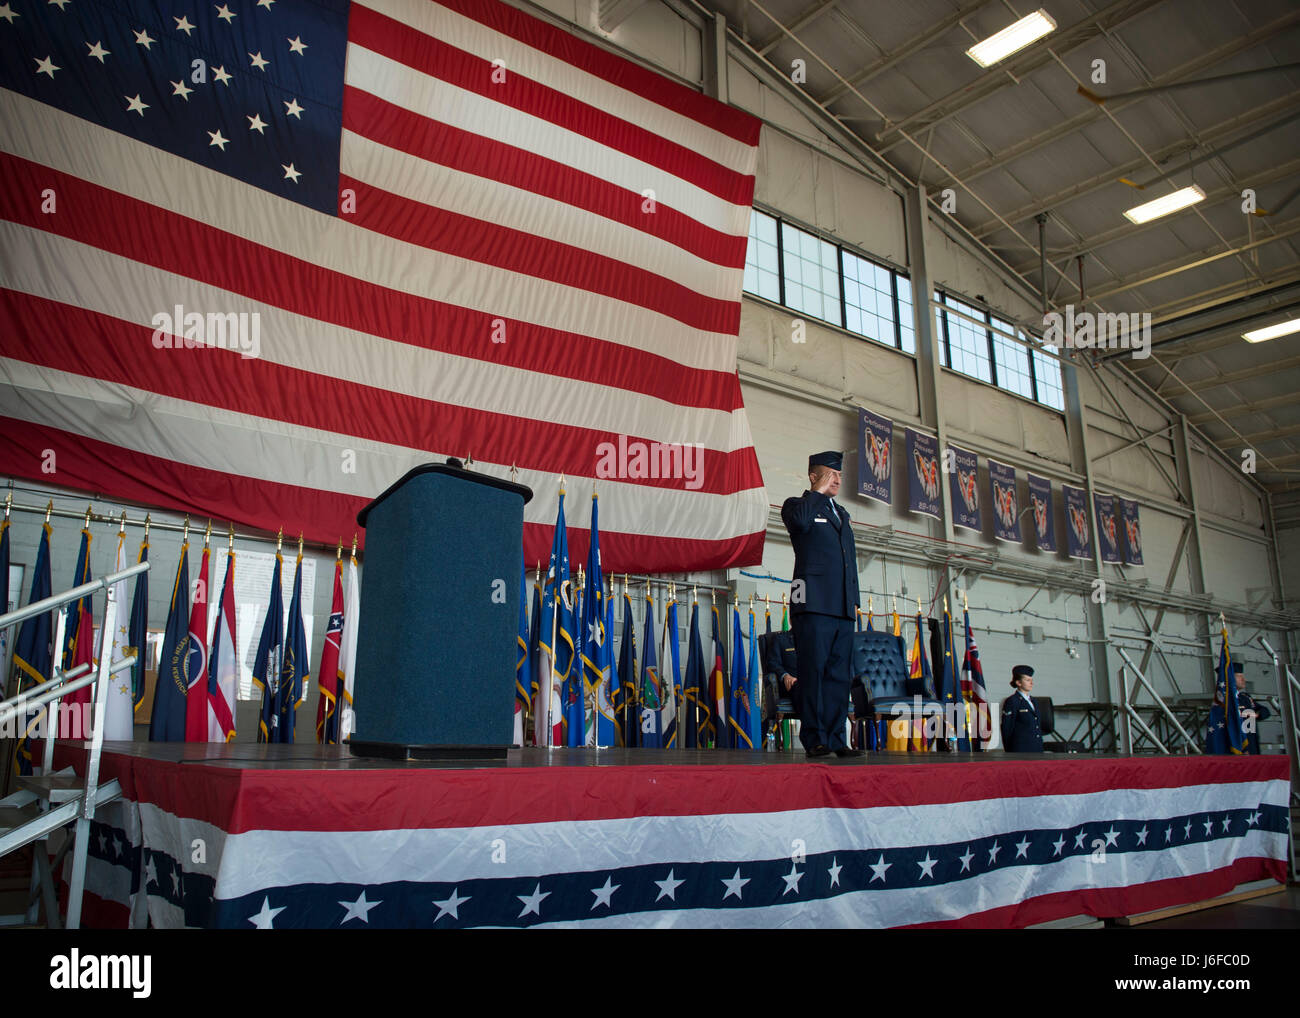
x=1180 y=199
x=1273 y=331
x=1012 y=39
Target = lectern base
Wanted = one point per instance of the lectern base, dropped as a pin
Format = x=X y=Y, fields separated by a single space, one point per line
x=403 y=751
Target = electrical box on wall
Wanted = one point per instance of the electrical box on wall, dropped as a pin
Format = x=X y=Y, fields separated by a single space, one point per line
x=1033 y=634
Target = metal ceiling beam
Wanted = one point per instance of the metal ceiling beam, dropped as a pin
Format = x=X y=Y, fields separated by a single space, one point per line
x=1241 y=409
x=1233 y=377
x=1215 y=56
x=899 y=53
x=801 y=22
x=612 y=13
x=1009 y=72
x=1250 y=441
x=1227 y=293
x=1126 y=230
x=1288 y=229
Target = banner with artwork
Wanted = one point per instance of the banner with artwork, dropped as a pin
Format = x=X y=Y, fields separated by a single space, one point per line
x=875 y=465
x=1040 y=500
x=1107 y=528
x=1078 y=534
x=1006 y=502
x=1131 y=524
x=922 y=474
x=964 y=482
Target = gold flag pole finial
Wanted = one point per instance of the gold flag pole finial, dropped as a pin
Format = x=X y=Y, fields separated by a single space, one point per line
x=279 y=541
x=965 y=604
x=148 y=522
x=9 y=501
x=185 y=532
x=945 y=604
x=918 y=605
x=354 y=544
x=868 y=606
x=230 y=543
x=121 y=526
x=207 y=534
x=338 y=552
x=300 y=544
x=86 y=524
x=514 y=473
x=49 y=508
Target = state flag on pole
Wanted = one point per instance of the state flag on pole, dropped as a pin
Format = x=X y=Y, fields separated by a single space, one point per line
x=670 y=657
x=719 y=727
x=629 y=711
x=521 y=658
x=167 y=722
x=296 y=669
x=739 y=714
x=139 y=633
x=119 y=704
x=270 y=657
x=196 y=660
x=651 y=698
x=348 y=647
x=327 y=706
x=611 y=734
x=74 y=651
x=973 y=689
x=695 y=702
x=223 y=662
x=1223 y=729
x=755 y=684
x=34 y=649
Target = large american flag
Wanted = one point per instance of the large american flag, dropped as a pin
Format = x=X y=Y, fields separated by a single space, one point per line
x=463 y=231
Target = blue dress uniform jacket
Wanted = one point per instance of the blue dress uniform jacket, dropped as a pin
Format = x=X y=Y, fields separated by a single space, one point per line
x=1247 y=702
x=825 y=558
x=823 y=603
x=1020 y=730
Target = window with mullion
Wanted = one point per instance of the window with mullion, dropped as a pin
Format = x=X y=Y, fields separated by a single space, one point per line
x=1012 y=361
x=869 y=299
x=762 y=257
x=1047 y=376
x=811 y=274
x=968 y=342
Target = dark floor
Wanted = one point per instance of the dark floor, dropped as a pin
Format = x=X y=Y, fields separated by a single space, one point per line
x=1272 y=912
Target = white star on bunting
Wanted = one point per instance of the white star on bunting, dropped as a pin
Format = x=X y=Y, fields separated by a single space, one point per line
x=451 y=906
x=257 y=61
x=965 y=859
x=183 y=24
x=792 y=880
x=47 y=66
x=533 y=902
x=292 y=109
x=603 y=894
x=835 y=872
x=222 y=75
x=97 y=51
x=290 y=173
x=142 y=38
x=181 y=89
x=735 y=885
x=668 y=887
x=265 y=919
x=296 y=45
x=927 y=867
x=358 y=909
x=256 y=123
x=134 y=105
x=878 y=869
x=223 y=12
x=216 y=139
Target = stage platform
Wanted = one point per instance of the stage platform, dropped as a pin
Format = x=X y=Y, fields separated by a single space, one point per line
x=245 y=836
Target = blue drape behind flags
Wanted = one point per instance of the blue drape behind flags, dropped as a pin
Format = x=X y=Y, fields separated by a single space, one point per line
x=34 y=649
x=695 y=705
x=1040 y=500
x=270 y=657
x=875 y=462
x=1223 y=733
x=650 y=687
x=1006 y=502
x=139 y=634
x=629 y=711
x=167 y=722
x=1078 y=533
x=963 y=483
x=739 y=714
x=923 y=474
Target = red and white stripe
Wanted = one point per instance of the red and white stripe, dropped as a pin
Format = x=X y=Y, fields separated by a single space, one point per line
x=225 y=654
x=519 y=206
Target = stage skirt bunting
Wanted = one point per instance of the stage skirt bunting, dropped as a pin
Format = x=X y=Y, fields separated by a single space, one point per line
x=780 y=845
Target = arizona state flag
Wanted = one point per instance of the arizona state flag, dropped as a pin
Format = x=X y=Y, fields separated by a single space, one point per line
x=196 y=660
x=327 y=707
x=167 y=722
x=268 y=663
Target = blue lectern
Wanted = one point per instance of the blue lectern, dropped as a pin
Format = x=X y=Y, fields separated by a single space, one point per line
x=439 y=612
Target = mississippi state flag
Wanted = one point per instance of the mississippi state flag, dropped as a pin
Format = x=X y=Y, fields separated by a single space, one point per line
x=318 y=244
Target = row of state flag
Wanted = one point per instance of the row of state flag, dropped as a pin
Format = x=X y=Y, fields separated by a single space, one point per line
x=198 y=671
x=571 y=690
